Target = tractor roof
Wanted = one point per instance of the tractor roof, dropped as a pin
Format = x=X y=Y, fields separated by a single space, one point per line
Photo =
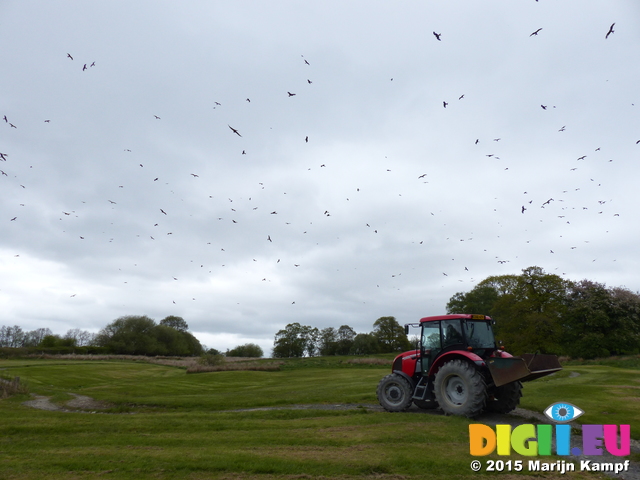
x=454 y=316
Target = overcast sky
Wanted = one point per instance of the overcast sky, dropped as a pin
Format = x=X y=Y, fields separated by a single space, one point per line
x=377 y=170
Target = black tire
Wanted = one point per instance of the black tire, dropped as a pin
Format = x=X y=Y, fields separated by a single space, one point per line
x=460 y=389
x=505 y=398
x=394 y=393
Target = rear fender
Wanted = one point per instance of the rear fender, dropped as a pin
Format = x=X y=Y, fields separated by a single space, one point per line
x=456 y=354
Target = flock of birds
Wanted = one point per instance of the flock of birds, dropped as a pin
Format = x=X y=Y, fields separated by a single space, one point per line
x=233 y=206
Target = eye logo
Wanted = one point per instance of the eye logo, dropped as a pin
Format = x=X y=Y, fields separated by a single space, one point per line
x=562 y=412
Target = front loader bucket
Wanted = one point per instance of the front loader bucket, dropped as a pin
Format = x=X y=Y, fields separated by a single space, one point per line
x=524 y=368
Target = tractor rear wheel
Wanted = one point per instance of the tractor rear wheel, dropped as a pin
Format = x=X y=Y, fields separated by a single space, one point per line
x=460 y=389
x=394 y=393
x=505 y=398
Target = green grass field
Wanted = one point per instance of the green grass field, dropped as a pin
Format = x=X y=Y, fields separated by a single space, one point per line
x=163 y=423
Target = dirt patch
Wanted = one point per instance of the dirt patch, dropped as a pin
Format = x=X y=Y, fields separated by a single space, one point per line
x=80 y=403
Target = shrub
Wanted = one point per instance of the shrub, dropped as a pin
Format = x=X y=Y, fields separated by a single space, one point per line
x=246 y=350
x=11 y=387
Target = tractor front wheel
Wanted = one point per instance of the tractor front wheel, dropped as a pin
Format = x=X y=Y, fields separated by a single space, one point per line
x=460 y=389
x=395 y=393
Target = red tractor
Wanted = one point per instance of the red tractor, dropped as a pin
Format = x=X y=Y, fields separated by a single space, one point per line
x=459 y=368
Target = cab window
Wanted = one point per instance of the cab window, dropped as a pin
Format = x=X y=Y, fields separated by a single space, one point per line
x=451 y=333
x=431 y=336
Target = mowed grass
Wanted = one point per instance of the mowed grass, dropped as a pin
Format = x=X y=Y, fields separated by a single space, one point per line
x=173 y=425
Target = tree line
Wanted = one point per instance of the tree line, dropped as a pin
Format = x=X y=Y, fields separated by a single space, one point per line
x=541 y=312
x=127 y=335
x=297 y=340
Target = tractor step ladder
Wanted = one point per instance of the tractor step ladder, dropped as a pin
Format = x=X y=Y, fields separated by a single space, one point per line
x=422 y=389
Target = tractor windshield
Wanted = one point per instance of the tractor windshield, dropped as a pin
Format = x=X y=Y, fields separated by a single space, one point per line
x=479 y=334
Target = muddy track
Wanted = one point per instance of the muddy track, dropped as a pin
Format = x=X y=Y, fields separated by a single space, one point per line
x=78 y=404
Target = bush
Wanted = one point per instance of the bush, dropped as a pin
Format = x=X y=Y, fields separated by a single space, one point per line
x=11 y=387
x=246 y=350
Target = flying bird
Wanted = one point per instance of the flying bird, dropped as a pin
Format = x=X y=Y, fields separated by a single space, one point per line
x=535 y=33
x=69 y=55
x=234 y=130
x=163 y=211
x=610 y=31
x=157 y=117
x=437 y=35
x=85 y=67
x=3 y=156
x=444 y=104
x=291 y=94
x=544 y=107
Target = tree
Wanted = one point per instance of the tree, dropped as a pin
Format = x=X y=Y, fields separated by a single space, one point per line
x=81 y=338
x=175 y=322
x=528 y=308
x=601 y=321
x=131 y=335
x=53 y=341
x=139 y=335
x=246 y=350
x=328 y=341
x=480 y=300
x=311 y=337
x=364 y=344
x=11 y=337
x=34 y=337
x=390 y=335
x=295 y=340
x=345 y=338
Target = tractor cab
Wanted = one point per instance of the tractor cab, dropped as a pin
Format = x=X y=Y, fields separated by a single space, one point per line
x=442 y=335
